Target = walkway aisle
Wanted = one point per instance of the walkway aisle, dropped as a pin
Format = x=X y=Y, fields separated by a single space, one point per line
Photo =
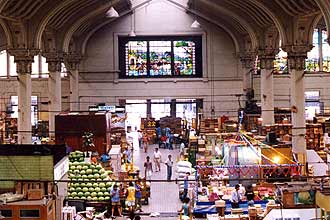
x=164 y=195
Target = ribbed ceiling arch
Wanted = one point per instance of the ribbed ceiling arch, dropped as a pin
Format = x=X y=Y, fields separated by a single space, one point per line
x=247 y=15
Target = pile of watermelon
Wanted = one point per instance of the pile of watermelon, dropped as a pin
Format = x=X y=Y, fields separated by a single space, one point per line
x=76 y=156
x=88 y=181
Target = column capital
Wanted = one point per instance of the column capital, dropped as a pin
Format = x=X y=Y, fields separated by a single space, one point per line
x=23 y=59
x=267 y=57
x=247 y=59
x=297 y=54
x=54 y=60
x=72 y=61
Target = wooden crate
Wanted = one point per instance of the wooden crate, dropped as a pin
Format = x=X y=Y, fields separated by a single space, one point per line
x=35 y=194
x=44 y=188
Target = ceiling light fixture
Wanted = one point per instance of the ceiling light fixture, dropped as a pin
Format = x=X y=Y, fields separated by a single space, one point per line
x=132 y=33
x=112 y=13
x=195 y=24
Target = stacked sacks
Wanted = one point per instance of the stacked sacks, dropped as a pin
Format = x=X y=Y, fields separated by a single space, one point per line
x=183 y=167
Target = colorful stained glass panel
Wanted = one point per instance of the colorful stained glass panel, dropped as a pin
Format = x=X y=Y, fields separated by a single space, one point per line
x=325 y=52
x=313 y=57
x=136 y=54
x=281 y=62
x=160 y=58
x=184 y=58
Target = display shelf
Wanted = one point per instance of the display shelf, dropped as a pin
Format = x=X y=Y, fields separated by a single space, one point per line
x=210 y=125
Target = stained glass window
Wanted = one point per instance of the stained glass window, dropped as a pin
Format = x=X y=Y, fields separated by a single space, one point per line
x=313 y=57
x=160 y=56
x=281 y=62
x=325 y=52
x=136 y=52
x=184 y=58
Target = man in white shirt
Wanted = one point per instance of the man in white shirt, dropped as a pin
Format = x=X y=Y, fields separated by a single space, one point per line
x=157 y=159
x=235 y=198
x=169 y=165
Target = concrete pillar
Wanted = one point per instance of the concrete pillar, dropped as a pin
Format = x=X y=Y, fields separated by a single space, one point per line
x=74 y=90
x=24 y=107
x=24 y=59
x=54 y=91
x=173 y=108
x=149 y=115
x=296 y=67
x=267 y=90
x=72 y=64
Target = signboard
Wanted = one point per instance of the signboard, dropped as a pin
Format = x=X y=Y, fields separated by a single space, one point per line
x=107 y=108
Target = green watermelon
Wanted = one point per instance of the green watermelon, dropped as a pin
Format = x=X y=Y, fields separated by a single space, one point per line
x=97 y=189
x=93 y=194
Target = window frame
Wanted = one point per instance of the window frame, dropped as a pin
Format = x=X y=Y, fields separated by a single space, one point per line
x=197 y=39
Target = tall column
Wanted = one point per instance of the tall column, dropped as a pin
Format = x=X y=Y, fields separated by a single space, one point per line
x=296 y=67
x=267 y=90
x=173 y=108
x=24 y=59
x=72 y=64
x=54 y=90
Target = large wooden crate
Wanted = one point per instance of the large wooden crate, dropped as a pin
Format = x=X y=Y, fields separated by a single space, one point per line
x=34 y=190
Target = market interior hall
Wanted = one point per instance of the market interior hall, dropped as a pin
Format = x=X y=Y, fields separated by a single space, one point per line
x=164 y=109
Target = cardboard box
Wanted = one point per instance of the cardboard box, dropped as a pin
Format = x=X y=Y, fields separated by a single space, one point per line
x=35 y=194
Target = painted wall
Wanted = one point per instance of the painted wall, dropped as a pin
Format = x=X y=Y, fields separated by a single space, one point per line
x=98 y=72
x=313 y=82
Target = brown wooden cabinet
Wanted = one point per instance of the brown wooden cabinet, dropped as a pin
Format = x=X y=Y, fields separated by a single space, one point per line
x=33 y=210
x=69 y=130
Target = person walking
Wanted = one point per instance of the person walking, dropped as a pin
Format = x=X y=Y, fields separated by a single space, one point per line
x=169 y=165
x=249 y=194
x=146 y=140
x=157 y=159
x=122 y=195
x=185 y=187
x=148 y=168
x=185 y=209
x=138 y=196
x=131 y=199
x=235 y=198
x=168 y=136
x=115 y=200
x=140 y=138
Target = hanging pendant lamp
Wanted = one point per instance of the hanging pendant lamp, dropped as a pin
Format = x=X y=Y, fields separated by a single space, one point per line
x=112 y=13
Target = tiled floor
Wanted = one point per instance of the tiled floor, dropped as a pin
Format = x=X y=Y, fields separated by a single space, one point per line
x=164 y=195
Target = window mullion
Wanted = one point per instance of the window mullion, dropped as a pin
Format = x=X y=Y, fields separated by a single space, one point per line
x=148 y=58
x=172 y=58
x=320 y=50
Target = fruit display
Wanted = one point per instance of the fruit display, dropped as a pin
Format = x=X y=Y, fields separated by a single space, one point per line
x=88 y=181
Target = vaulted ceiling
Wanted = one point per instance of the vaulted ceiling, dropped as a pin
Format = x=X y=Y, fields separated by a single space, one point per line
x=36 y=24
